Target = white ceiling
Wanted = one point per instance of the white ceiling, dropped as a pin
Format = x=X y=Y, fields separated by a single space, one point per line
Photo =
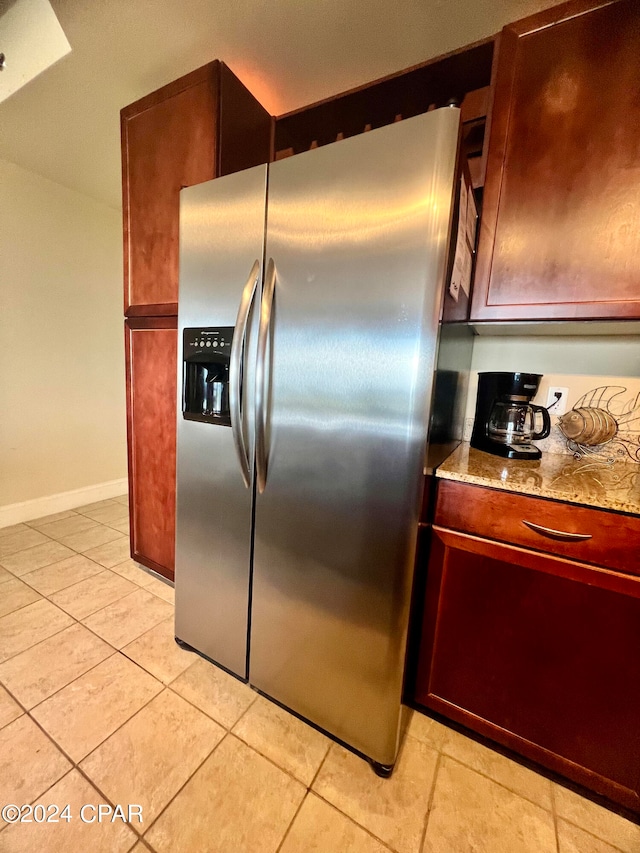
x=64 y=125
x=23 y=24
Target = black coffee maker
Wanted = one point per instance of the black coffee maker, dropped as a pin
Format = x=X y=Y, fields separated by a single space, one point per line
x=505 y=421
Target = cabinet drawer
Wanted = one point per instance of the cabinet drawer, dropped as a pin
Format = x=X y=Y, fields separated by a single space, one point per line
x=613 y=538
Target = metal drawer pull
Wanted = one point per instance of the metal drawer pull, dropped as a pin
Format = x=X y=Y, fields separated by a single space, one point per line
x=557 y=534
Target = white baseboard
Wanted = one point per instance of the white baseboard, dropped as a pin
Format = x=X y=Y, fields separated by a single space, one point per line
x=39 y=507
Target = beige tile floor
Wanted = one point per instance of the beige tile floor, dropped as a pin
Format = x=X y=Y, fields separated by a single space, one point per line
x=99 y=706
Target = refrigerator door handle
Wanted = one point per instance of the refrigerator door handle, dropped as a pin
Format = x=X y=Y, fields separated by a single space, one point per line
x=261 y=378
x=235 y=372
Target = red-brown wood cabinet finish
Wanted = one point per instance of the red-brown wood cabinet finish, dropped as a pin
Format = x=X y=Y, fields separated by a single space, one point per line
x=464 y=74
x=536 y=652
x=200 y=126
x=614 y=538
x=151 y=354
x=560 y=233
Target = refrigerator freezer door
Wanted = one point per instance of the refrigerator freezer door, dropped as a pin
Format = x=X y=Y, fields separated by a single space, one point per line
x=221 y=237
x=358 y=232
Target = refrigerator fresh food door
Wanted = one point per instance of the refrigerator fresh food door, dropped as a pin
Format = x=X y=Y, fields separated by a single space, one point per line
x=357 y=237
x=221 y=238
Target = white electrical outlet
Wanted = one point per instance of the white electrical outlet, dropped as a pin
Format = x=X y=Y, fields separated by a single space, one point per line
x=557 y=400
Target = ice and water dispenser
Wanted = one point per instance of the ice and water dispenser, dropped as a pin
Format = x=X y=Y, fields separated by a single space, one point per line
x=205 y=374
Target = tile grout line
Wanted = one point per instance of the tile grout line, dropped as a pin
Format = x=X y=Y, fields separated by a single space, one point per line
x=32 y=520
x=230 y=732
x=73 y=510
x=73 y=680
x=501 y=784
x=75 y=765
x=432 y=793
x=354 y=821
x=100 y=609
x=599 y=838
x=310 y=789
x=115 y=648
x=320 y=766
x=255 y=694
x=60 y=689
x=76 y=553
x=75 y=583
x=336 y=807
x=22 y=606
x=227 y=731
x=182 y=787
x=95 y=525
x=55 y=634
x=167 y=684
x=164 y=686
x=57 y=540
x=293 y=820
x=48 y=566
x=554 y=812
x=53 y=538
x=31 y=548
x=206 y=713
x=266 y=757
x=80 y=771
x=78 y=621
x=271 y=761
x=145 y=845
x=52 y=739
x=56 y=692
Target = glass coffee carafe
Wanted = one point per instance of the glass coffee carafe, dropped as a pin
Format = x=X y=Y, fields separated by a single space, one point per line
x=514 y=422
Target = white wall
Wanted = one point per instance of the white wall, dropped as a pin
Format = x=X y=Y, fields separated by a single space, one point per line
x=597 y=355
x=62 y=390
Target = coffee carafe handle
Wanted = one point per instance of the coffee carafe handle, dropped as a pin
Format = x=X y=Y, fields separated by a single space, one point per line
x=546 y=421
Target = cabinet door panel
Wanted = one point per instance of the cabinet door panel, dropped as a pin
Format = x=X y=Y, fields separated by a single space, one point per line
x=168 y=142
x=151 y=352
x=542 y=650
x=561 y=221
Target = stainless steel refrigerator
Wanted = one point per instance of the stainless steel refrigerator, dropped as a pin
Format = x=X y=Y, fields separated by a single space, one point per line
x=310 y=302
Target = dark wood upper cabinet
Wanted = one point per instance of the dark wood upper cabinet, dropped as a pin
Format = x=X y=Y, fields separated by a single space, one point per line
x=201 y=126
x=560 y=234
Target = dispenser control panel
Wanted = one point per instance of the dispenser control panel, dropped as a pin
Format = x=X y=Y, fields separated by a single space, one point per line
x=198 y=341
x=205 y=377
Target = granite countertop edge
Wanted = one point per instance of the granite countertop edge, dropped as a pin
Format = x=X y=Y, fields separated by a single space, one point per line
x=557 y=477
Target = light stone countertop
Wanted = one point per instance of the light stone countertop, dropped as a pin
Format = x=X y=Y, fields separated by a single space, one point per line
x=615 y=487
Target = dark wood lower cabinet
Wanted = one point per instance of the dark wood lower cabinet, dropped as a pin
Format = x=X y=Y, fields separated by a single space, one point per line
x=539 y=653
x=151 y=353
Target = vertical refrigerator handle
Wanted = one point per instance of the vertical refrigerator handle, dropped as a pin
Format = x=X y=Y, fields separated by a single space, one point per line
x=261 y=377
x=235 y=371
